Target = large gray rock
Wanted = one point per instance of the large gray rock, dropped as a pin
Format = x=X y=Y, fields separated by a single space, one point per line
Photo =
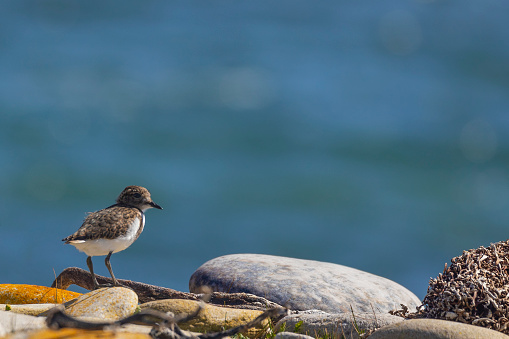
x=342 y=325
x=302 y=284
x=435 y=329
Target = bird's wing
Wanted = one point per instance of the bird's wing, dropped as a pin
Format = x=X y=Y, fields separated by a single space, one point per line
x=108 y=223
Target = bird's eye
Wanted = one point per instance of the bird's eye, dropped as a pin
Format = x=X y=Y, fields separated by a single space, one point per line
x=137 y=195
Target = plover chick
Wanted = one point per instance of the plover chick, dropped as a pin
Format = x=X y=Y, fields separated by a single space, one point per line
x=113 y=229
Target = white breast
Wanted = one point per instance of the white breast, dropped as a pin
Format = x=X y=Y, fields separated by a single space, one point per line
x=98 y=247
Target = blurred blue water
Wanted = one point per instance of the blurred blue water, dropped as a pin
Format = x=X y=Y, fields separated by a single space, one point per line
x=372 y=135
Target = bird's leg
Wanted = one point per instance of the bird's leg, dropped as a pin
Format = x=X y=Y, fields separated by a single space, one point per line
x=108 y=265
x=91 y=269
x=94 y=279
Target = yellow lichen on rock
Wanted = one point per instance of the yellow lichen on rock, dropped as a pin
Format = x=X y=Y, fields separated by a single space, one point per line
x=33 y=294
x=105 y=303
x=210 y=319
x=72 y=333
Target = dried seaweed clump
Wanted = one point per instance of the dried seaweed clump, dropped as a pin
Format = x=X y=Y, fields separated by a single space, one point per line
x=473 y=290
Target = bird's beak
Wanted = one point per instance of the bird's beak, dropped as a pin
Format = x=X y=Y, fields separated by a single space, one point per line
x=153 y=204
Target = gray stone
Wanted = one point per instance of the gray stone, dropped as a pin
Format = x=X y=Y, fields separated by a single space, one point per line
x=290 y=335
x=302 y=284
x=13 y=322
x=319 y=324
x=434 y=329
x=28 y=309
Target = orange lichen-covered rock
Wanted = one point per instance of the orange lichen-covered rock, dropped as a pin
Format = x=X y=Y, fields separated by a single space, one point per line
x=32 y=294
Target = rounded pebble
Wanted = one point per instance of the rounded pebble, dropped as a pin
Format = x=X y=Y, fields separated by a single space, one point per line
x=112 y=303
x=434 y=329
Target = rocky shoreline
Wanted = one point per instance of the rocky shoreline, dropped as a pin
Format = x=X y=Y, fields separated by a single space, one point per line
x=321 y=300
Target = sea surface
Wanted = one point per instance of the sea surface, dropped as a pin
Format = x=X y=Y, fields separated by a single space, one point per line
x=371 y=134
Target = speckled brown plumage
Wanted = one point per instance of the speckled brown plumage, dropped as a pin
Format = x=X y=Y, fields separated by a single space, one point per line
x=108 y=223
x=115 y=221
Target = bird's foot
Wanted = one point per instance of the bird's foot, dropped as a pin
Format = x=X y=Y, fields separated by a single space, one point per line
x=117 y=284
x=98 y=286
x=114 y=284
